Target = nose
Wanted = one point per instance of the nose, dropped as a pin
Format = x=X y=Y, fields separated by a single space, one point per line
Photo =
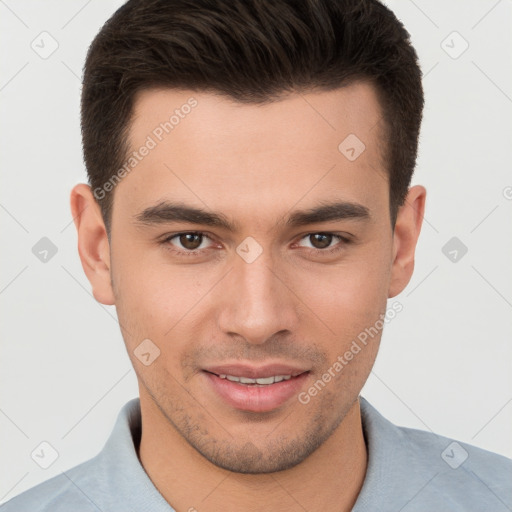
x=256 y=302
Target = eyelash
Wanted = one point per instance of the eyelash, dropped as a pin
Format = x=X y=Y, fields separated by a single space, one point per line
x=198 y=252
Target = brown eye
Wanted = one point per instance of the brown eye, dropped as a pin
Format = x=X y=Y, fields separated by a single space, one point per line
x=320 y=240
x=190 y=241
x=324 y=243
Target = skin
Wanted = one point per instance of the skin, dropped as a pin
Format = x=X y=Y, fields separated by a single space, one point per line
x=293 y=304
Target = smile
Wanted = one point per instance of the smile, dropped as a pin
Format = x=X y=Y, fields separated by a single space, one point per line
x=262 y=381
x=259 y=393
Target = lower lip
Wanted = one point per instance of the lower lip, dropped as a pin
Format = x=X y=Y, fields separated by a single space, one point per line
x=256 y=398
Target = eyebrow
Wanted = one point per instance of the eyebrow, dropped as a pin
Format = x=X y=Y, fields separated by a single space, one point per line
x=165 y=212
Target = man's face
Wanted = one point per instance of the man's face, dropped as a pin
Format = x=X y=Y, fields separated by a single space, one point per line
x=268 y=292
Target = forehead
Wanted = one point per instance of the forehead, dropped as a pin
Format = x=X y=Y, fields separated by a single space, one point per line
x=208 y=150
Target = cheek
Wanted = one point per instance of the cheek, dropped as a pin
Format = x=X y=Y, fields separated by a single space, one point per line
x=351 y=292
x=156 y=300
x=348 y=301
x=145 y=284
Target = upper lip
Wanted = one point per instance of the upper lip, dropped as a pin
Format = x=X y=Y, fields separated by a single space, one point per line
x=256 y=372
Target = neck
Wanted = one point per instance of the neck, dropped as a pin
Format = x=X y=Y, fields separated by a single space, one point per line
x=329 y=479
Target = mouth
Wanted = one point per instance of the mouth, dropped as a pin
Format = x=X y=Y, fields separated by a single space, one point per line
x=256 y=389
x=261 y=381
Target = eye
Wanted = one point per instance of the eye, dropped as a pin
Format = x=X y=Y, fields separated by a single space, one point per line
x=187 y=243
x=322 y=242
x=194 y=243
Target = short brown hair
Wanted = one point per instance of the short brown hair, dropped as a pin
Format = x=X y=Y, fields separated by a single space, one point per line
x=252 y=51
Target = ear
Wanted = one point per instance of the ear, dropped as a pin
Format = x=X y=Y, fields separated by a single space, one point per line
x=407 y=230
x=93 y=244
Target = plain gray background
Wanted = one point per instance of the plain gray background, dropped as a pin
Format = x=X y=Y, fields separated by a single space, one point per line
x=445 y=360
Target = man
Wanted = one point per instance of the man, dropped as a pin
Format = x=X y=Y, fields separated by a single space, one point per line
x=249 y=214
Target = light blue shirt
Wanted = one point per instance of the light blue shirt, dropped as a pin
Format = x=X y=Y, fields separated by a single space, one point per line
x=408 y=471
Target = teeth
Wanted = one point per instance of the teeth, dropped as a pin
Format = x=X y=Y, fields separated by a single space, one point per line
x=264 y=381
x=247 y=380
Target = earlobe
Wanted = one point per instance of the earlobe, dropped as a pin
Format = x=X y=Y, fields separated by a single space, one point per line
x=93 y=243
x=407 y=230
